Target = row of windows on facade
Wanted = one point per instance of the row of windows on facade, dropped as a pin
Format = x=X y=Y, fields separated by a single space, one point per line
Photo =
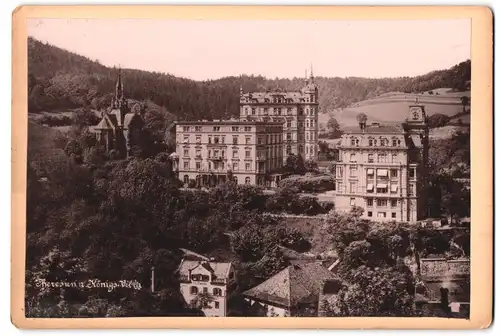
x=274 y=151
x=382 y=142
x=235 y=179
x=382 y=173
x=281 y=99
x=379 y=188
x=272 y=164
x=215 y=291
x=271 y=139
x=380 y=158
x=216 y=128
x=278 y=111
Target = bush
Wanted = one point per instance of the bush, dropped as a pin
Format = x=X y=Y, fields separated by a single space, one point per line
x=312 y=184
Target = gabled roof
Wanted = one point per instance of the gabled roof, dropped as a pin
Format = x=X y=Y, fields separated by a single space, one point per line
x=293 y=285
x=219 y=269
x=106 y=122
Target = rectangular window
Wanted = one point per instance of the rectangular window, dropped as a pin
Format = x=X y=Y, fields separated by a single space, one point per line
x=353 y=201
x=394 y=142
x=186 y=164
x=352 y=157
x=370 y=158
x=248 y=129
x=216 y=128
x=247 y=166
x=394 y=188
x=216 y=140
x=394 y=158
x=352 y=171
x=369 y=187
x=339 y=187
x=235 y=129
x=205 y=290
x=186 y=139
x=370 y=142
x=259 y=140
x=209 y=139
x=247 y=153
x=394 y=173
x=253 y=110
x=235 y=154
x=381 y=202
x=186 y=152
x=235 y=166
x=289 y=110
x=198 y=153
x=235 y=140
x=382 y=172
x=393 y=215
x=381 y=215
x=394 y=203
x=352 y=187
x=382 y=158
x=369 y=202
x=370 y=213
x=369 y=172
x=216 y=304
x=198 y=139
x=198 y=165
x=411 y=190
x=340 y=171
x=289 y=136
x=412 y=173
x=381 y=188
x=247 y=140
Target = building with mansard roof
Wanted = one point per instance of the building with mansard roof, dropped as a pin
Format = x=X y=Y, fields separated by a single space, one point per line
x=384 y=168
x=297 y=111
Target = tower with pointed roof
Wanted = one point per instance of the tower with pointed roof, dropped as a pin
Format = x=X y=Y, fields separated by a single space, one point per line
x=113 y=129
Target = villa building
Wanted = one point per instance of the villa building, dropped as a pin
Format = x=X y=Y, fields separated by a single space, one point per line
x=383 y=169
x=292 y=292
x=206 y=285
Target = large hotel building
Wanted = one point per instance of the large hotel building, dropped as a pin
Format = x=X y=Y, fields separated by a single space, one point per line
x=208 y=152
x=296 y=110
x=383 y=169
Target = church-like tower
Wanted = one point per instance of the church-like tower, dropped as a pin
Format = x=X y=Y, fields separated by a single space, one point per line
x=417 y=137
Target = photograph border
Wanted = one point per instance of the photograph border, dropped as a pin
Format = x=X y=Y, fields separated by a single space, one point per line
x=481 y=311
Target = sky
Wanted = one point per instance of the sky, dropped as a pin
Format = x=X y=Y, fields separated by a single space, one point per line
x=206 y=49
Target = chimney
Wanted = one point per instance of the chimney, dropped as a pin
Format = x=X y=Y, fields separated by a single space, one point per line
x=362 y=125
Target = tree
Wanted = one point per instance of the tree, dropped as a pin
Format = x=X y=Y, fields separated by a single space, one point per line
x=465 y=102
x=361 y=118
x=294 y=164
x=333 y=127
x=438 y=120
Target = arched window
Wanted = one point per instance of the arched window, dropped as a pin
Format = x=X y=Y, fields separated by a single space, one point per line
x=307 y=148
x=312 y=149
x=186 y=179
x=217 y=292
x=307 y=123
x=247 y=180
x=193 y=290
x=235 y=179
x=301 y=149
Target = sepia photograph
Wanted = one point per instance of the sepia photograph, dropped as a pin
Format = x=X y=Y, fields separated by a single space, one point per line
x=248 y=168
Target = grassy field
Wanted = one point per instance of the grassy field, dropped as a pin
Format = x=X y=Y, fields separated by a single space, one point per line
x=392 y=107
x=42 y=149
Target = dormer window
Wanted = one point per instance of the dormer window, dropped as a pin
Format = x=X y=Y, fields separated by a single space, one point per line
x=370 y=142
x=394 y=142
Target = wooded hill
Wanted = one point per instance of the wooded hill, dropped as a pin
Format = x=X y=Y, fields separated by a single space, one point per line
x=59 y=80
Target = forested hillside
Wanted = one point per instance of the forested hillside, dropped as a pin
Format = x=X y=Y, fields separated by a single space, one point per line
x=61 y=80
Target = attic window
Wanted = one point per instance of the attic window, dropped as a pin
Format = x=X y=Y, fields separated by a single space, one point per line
x=200 y=277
